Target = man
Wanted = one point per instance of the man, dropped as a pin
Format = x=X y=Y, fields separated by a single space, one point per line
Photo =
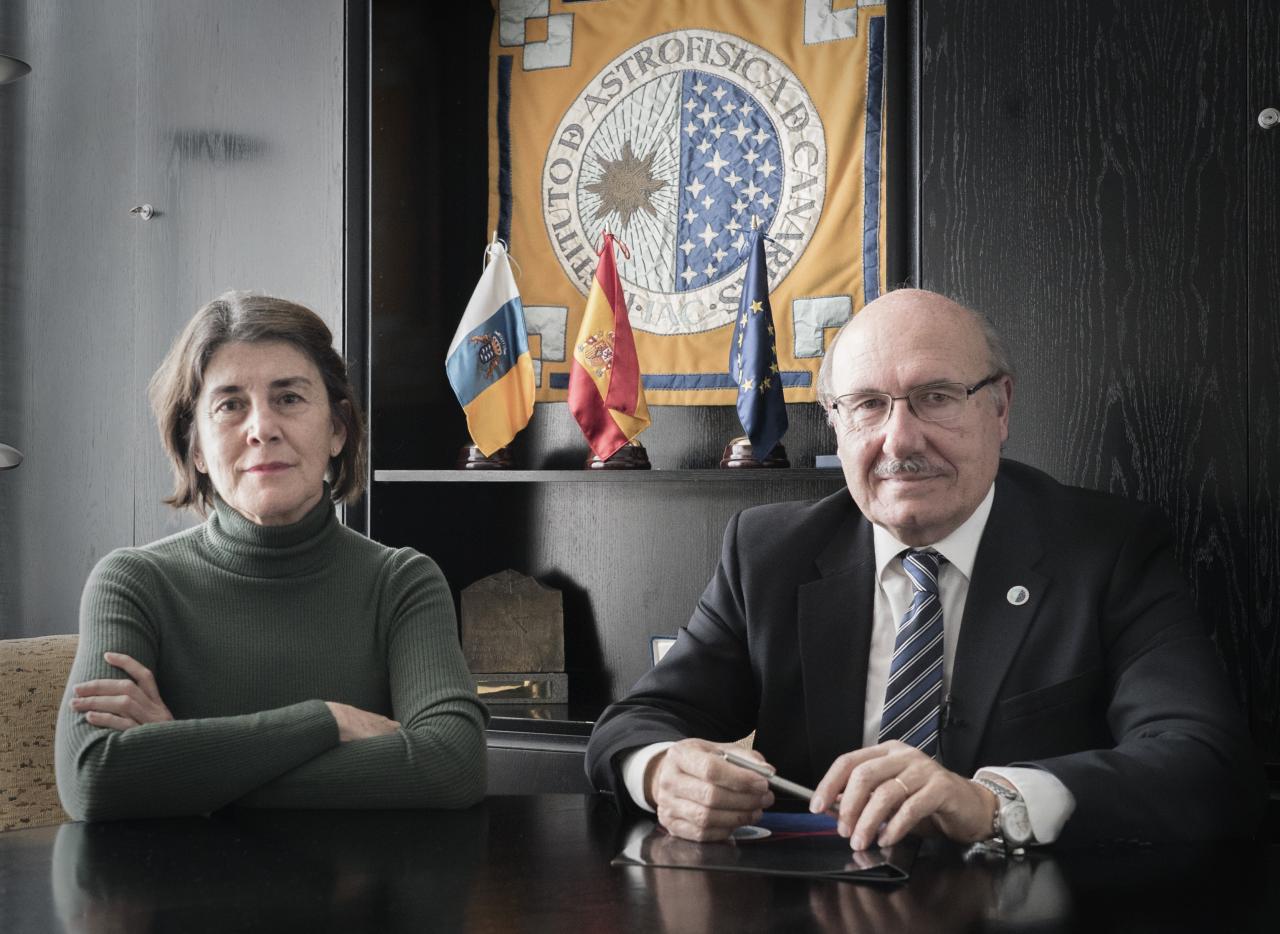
x=961 y=616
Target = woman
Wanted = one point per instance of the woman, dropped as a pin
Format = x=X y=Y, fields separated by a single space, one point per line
x=270 y=657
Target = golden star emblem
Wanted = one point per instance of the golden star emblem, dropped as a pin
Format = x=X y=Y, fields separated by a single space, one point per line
x=626 y=185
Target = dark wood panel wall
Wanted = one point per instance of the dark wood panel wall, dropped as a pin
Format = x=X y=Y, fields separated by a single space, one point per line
x=1087 y=172
x=1263 y=503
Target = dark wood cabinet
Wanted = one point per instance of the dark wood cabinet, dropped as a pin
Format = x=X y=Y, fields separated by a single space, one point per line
x=630 y=551
x=1091 y=175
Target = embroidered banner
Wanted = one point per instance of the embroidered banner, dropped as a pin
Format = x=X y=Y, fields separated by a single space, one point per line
x=672 y=125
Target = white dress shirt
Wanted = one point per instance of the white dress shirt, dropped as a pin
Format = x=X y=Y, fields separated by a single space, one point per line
x=1049 y=802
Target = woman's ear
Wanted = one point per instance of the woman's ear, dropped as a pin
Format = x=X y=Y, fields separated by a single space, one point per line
x=339 y=430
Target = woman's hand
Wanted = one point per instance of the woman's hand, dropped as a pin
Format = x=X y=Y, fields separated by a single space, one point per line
x=121 y=703
x=354 y=723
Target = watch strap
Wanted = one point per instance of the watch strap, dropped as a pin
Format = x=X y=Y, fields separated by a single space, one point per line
x=999 y=790
x=1004 y=795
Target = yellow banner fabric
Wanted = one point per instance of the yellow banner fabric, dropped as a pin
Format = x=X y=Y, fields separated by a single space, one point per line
x=680 y=127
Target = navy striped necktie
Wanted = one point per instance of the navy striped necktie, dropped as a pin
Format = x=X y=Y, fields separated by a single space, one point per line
x=913 y=696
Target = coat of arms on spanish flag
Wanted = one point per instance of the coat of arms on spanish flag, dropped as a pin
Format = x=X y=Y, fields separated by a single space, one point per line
x=673 y=125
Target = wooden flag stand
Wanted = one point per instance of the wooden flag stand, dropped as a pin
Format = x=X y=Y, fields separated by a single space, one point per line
x=631 y=456
x=470 y=457
x=738 y=454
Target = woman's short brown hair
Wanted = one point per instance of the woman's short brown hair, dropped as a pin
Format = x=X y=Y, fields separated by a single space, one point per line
x=244 y=316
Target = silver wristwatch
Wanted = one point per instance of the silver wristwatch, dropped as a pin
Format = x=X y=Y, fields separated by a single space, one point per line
x=1010 y=827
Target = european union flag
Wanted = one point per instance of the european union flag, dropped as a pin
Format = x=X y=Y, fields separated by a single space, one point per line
x=753 y=359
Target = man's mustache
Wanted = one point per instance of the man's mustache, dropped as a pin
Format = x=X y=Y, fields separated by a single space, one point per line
x=914 y=465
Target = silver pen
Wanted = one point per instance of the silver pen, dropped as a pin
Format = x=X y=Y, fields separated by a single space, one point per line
x=775 y=781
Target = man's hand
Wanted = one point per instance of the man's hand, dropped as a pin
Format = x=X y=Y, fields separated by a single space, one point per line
x=354 y=723
x=898 y=786
x=700 y=796
x=121 y=703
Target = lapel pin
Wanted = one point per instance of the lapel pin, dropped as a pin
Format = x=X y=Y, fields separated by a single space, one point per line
x=1018 y=595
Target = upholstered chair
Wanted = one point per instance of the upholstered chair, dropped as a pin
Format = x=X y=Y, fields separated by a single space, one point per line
x=33 y=676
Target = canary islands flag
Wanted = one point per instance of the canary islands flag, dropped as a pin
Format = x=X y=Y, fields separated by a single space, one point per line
x=753 y=359
x=488 y=362
x=605 y=393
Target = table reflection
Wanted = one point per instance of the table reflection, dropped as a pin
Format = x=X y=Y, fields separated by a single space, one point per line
x=339 y=871
x=948 y=891
x=542 y=863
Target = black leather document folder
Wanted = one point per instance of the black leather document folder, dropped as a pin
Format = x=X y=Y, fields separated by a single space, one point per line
x=804 y=845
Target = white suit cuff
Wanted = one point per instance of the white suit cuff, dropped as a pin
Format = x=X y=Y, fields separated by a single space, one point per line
x=634 y=765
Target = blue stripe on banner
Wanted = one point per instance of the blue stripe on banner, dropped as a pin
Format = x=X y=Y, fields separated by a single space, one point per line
x=503 y=129
x=469 y=371
x=871 y=177
x=790 y=378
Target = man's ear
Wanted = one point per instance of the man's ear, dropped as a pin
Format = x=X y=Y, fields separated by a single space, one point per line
x=1005 y=398
x=1004 y=402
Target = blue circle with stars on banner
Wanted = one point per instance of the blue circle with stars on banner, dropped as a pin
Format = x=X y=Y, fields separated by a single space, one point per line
x=680 y=147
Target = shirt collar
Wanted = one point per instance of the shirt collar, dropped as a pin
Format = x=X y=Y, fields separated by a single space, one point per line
x=960 y=548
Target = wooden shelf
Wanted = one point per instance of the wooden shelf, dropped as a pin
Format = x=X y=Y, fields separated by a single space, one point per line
x=712 y=475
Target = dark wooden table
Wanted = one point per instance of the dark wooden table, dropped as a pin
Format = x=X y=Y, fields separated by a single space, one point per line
x=541 y=863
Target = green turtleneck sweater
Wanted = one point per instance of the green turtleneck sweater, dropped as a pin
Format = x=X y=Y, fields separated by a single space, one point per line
x=249 y=630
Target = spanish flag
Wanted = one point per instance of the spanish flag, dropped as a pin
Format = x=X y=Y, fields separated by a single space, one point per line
x=605 y=393
x=488 y=363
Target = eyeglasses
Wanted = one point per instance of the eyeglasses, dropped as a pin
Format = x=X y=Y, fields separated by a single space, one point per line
x=934 y=402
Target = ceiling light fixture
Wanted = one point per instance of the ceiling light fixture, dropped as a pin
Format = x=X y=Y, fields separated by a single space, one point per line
x=11 y=69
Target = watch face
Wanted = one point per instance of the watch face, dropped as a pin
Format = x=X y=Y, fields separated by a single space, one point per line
x=1015 y=827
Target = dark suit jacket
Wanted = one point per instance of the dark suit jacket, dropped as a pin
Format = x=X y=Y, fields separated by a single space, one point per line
x=1104 y=677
